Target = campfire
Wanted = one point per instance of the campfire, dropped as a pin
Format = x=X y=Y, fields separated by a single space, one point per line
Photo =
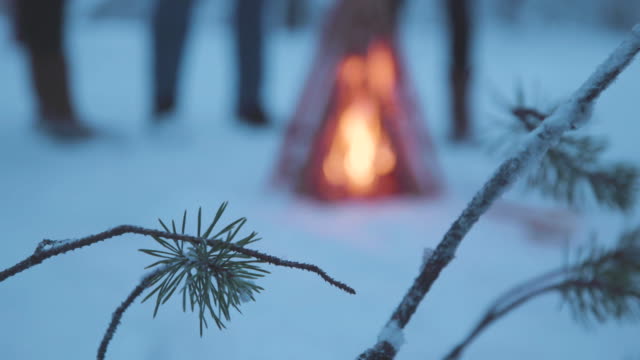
x=360 y=154
x=357 y=133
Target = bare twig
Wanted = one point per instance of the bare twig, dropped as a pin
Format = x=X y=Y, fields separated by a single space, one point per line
x=117 y=315
x=495 y=314
x=50 y=248
x=570 y=115
x=507 y=304
x=552 y=276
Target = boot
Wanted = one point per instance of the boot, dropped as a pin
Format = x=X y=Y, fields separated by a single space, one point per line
x=50 y=81
x=252 y=115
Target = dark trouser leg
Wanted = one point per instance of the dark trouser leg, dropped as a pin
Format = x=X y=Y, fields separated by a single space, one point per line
x=296 y=14
x=40 y=25
x=50 y=81
x=249 y=50
x=460 y=67
x=170 y=26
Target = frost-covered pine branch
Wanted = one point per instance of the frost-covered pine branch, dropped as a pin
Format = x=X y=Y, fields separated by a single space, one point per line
x=573 y=165
x=570 y=115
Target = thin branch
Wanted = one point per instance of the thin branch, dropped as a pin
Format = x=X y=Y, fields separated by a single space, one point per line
x=493 y=315
x=497 y=312
x=50 y=248
x=609 y=70
x=524 y=114
x=570 y=115
x=524 y=287
x=117 y=315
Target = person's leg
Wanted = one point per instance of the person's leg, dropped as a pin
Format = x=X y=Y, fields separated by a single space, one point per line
x=170 y=26
x=50 y=79
x=41 y=28
x=248 y=28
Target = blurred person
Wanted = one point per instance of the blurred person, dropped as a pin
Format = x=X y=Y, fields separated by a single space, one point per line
x=120 y=10
x=296 y=14
x=39 y=28
x=170 y=26
x=459 y=15
x=353 y=24
x=4 y=7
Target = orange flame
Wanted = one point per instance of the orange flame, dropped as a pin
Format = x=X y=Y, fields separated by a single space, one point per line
x=360 y=152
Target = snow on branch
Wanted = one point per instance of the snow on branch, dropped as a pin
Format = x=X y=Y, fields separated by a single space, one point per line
x=392 y=333
x=572 y=114
x=609 y=70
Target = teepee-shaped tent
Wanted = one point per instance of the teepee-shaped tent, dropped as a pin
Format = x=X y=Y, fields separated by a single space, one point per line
x=357 y=132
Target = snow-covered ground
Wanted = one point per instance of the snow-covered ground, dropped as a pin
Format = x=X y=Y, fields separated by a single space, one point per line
x=134 y=174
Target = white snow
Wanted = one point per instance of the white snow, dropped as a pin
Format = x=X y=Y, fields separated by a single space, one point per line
x=615 y=61
x=245 y=294
x=192 y=255
x=392 y=333
x=51 y=244
x=135 y=175
x=426 y=254
x=570 y=114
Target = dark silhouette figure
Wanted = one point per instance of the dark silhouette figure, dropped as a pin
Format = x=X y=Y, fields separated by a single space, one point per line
x=296 y=14
x=170 y=26
x=459 y=20
x=40 y=29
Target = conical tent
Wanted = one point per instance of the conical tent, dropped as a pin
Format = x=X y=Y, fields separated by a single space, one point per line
x=357 y=132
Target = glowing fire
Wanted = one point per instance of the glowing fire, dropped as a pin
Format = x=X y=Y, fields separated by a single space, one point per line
x=360 y=152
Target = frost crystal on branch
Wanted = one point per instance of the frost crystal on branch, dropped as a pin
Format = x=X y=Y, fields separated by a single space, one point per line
x=47 y=244
x=426 y=254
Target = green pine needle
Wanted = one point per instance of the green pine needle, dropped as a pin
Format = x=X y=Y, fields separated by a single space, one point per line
x=210 y=278
x=575 y=164
x=605 y=284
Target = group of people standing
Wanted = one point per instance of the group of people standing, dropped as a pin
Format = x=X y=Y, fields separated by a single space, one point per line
x=39 y=28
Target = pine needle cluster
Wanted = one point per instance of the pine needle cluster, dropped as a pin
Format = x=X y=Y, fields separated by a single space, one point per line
x=209 y=275
x=604 y=284
x=574 y=165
